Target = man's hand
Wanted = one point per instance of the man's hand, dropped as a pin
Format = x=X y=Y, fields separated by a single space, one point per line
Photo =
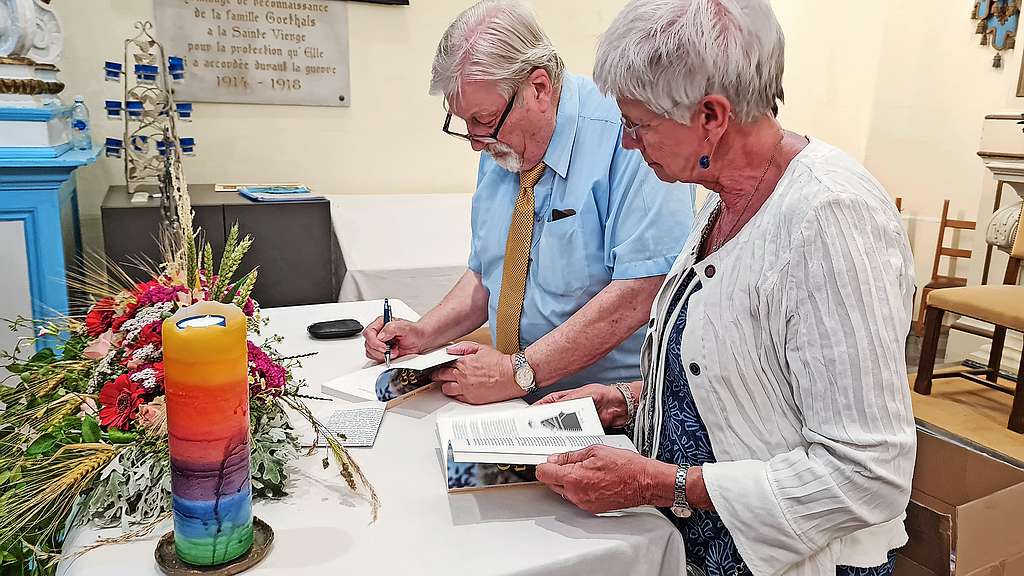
x=406 y=338
x=483 y=375
x=601 y=478
x=611 y=406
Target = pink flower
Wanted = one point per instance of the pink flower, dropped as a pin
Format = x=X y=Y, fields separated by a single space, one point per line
x=265 y=375
x=100 y=347
x=153 y=416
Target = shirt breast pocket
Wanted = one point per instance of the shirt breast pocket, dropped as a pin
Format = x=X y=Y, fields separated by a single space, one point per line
x=561 y=261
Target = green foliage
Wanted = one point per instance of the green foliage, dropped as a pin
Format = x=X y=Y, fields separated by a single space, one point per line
x=208 y=258
x=234 y=252
x=274 y=444
x=90 y=429
x=246 y=286
x=135 y=488
x=118 y=436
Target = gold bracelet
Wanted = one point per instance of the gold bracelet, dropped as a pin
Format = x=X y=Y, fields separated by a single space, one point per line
x=630 y=404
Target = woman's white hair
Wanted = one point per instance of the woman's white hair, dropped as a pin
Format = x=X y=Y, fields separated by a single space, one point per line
x=493 y=40
x=668 y=54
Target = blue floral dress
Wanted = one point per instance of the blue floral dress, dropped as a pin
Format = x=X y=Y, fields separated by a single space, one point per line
x=684 y=440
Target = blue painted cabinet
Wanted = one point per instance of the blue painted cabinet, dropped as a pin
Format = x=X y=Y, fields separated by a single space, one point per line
x=39 y=207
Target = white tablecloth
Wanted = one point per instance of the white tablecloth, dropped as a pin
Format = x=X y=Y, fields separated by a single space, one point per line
x=412 y=247
x=322 y=528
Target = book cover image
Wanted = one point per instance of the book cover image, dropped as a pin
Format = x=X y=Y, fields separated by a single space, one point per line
x=469 y=475
x=399 y=381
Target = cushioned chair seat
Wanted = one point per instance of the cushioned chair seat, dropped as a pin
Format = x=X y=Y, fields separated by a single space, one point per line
x=1003 y=305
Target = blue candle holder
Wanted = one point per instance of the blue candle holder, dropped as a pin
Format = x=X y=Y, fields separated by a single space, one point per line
x=188 y=146
x=161 y=147
x=113 y=148
x=176 y=67
x=146 y=73
x=184 y=110
x=134 y=109
x=113 y=71
x=114 y=108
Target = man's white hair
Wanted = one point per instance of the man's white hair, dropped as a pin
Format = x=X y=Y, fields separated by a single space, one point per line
x=668 y=54
x=493 y=40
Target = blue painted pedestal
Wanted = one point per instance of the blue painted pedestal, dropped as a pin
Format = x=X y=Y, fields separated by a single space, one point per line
x=40 y=193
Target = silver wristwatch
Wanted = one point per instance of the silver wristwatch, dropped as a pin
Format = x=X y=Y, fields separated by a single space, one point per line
x=523 y=373
x=679 y=506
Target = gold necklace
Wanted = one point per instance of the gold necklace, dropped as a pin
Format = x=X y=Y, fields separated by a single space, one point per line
x=718 y=209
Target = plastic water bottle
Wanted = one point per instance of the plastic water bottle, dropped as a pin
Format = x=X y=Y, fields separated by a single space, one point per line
x=81 y=137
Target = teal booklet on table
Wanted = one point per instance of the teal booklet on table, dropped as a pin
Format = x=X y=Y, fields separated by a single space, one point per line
x=502 y=447
x=278 y=193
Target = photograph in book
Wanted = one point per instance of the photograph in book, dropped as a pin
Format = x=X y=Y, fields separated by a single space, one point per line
x=406 y=377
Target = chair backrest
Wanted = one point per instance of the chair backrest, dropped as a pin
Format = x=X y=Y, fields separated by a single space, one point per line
x=941 y=249
x=899 y=203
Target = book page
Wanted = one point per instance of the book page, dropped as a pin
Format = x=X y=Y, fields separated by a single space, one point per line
x=529 y=450
x=382 y=384
x=572 y=417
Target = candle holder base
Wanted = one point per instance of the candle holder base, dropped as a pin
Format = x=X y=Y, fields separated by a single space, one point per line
x=169 y=563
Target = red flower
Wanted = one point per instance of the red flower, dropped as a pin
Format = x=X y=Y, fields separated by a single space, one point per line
x=129 y=313
x=120 y=400
x=99 y=318
x=150 y=334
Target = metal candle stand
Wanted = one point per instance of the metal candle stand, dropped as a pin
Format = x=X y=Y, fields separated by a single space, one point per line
x=151 y=146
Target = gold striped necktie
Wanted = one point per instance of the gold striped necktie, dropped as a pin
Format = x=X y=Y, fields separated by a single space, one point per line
x=517 y=263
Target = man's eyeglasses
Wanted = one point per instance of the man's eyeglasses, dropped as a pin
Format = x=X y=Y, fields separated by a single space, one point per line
x=493 y=138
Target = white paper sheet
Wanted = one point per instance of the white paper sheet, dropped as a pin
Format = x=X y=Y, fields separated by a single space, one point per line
x=359 y=423
x=361 y=384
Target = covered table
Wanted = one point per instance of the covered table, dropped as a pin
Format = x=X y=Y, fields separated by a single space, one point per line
x=412 y=247
x=322 y=528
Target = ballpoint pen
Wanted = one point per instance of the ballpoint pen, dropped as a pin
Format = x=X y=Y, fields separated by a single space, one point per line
x=387 y=318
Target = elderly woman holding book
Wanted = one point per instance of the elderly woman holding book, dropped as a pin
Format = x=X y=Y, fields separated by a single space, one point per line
x=774 y=417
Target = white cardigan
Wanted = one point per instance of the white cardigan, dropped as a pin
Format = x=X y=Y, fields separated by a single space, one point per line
x=794 y=351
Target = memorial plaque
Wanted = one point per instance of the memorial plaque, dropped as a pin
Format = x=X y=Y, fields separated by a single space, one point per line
x=258 y=51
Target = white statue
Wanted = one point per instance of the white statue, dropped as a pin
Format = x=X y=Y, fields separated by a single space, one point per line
x=30 y=28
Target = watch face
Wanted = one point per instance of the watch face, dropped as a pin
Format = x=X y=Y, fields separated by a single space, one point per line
x=681 y=511
x=524 y=377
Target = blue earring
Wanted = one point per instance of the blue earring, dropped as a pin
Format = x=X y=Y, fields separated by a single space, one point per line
x=705 y=160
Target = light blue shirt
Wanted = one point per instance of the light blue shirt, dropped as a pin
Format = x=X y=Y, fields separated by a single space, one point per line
x=628 y=224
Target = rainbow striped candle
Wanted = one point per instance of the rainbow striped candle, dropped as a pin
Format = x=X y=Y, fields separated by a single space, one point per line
x=206 y=379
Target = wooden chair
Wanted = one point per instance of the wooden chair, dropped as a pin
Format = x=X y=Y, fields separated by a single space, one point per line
x=941 y=280
x=1001 y=305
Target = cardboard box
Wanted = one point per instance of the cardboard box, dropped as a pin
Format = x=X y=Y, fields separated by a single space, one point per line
x=966 y=514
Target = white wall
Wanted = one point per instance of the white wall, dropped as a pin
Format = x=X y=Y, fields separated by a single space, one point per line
x=389 y=141
x=902 y=86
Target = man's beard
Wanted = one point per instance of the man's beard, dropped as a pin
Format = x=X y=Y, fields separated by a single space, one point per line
x=505 y=156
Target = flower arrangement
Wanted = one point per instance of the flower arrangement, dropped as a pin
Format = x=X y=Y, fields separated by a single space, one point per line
x=83 y=424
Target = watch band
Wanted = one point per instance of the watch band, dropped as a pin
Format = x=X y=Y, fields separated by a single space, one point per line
x=630 y=404
x=679 y=506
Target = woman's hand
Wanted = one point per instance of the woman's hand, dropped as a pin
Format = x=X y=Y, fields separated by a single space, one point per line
x=601 y=478
x=611 y=406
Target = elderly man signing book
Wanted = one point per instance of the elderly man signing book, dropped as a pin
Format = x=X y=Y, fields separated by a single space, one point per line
x=572 y=233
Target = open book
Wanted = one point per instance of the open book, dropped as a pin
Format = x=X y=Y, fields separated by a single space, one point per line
x=407 y=377
x=498 y=448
